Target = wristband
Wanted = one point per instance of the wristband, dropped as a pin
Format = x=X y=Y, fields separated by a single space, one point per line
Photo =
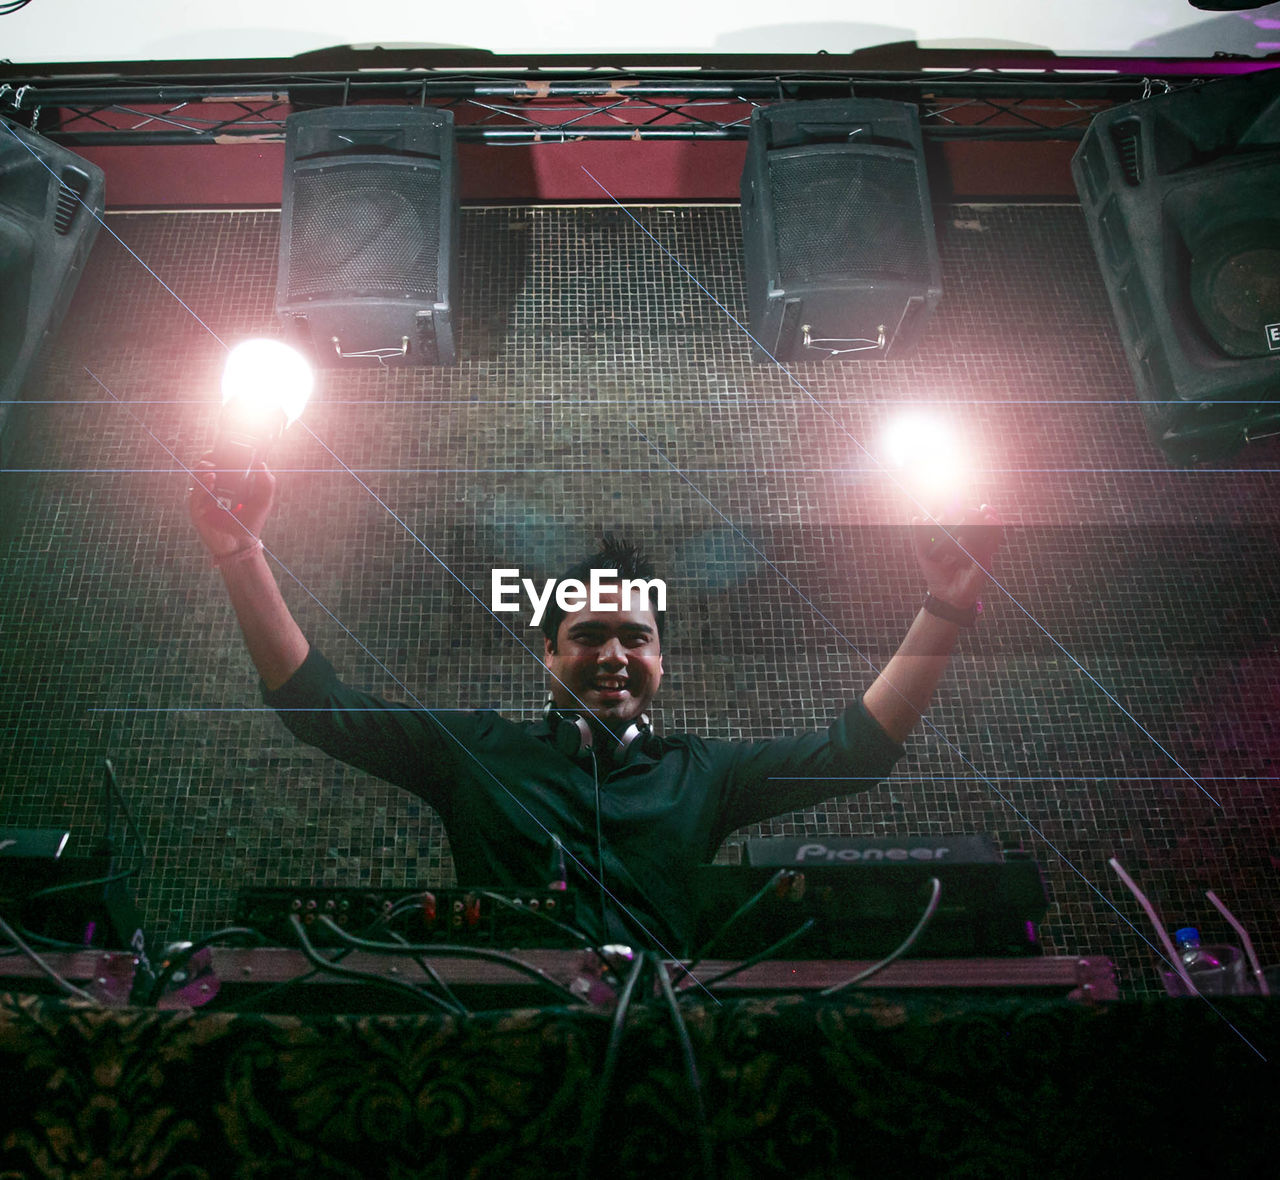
x=952 y=614
x=238 y=555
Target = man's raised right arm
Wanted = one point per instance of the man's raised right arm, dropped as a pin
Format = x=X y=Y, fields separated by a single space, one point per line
x=275 y=641
x=402 y=745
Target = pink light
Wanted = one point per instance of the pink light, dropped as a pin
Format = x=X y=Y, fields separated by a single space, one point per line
x=264 y=378
x=927 y=453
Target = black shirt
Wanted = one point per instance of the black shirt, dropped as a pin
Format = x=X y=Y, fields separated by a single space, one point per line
x=504 y=792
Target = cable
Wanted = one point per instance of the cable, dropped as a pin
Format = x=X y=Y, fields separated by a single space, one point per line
x=12 y=6
x=901 y=950
x=53 y=944
x=113 y=787
x=785 y=941
x=432 y=974
x=595 y=1118
x=248 y=1003
x=449 y=951
x=604 y=913
x=68 y=886
x=182 y=957
x=644 y=962
x=581 y=938
x=68 y=988
x=745 y=908
x=690 y=1068
x=404 y=905
x=332 y=967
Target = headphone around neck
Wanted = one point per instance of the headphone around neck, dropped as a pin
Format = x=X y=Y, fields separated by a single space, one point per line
x=572 y=733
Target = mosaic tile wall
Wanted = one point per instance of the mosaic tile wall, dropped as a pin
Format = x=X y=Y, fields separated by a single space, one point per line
x=1117 y=698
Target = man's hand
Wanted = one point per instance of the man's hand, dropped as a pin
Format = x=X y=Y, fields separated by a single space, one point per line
x=955 y=552
x=221 y=531
x=275 y=643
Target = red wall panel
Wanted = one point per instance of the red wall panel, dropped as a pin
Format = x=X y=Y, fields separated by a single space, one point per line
x=251 y=175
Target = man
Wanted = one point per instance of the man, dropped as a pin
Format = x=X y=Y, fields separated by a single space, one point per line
x=628 y=813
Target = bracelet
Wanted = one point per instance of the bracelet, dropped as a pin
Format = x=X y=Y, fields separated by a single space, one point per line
x=238 y=555
x=952 y=614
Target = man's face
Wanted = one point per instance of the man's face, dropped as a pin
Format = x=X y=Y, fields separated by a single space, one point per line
x=606 y=662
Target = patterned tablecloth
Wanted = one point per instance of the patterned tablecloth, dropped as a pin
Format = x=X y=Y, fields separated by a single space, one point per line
x=920 y=1085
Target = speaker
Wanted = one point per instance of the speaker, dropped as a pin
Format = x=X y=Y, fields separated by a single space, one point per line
x=369 y=235
x=840 y=252
x=48 y=201
x=1181 y=195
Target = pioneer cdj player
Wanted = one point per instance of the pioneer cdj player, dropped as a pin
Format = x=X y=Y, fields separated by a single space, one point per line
x=864 y=896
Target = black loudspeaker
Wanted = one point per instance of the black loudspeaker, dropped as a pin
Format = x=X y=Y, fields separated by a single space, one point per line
x=1181 y=194
x=48 y=201
x=840 y=251
x=369 y=235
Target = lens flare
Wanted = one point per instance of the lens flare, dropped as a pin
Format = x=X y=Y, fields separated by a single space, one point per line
x=264 y=379
x=926 y=452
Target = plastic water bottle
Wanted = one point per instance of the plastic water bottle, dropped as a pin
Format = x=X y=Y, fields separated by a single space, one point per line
x=1216 y=970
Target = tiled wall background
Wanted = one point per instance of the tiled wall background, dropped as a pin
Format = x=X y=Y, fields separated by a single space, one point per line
x=1117 y=698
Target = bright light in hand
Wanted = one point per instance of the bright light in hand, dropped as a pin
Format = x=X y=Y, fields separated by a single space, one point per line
x=264 y=379
x=927 y=452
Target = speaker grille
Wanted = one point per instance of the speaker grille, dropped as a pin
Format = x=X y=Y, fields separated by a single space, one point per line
x=1235 y=286
x=365 y=229
x=847 y=211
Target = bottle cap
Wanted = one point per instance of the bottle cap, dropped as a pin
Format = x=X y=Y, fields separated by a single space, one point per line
x=1186 y=934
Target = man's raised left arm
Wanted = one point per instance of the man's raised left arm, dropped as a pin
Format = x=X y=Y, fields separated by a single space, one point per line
x=955 y=560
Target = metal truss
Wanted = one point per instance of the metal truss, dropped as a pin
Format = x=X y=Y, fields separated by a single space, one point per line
x=1004 y=99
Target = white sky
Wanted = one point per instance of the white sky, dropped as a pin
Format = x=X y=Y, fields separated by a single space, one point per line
x=131 y=30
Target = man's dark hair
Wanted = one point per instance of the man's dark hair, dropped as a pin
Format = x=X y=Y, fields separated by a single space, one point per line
x=614 y=554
